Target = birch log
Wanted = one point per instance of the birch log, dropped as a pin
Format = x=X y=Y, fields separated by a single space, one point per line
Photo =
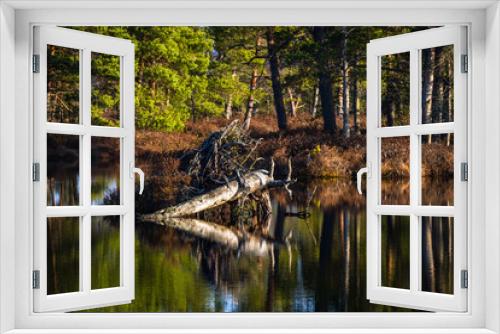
x=249 y=183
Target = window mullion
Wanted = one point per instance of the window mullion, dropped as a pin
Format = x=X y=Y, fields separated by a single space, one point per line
x=85 y=170
x=414 y=171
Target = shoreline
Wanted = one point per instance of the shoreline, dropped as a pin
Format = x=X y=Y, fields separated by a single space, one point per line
x=316 y=156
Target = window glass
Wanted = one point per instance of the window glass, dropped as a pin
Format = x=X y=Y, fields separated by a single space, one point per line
x=395 y=86
x=105 y=89
x=63 y=85
x=63 y=255
x=63 y=170
x=105 y=170
x=105 y=252
x=437 y=105
x=395 y=169
x=395 y=251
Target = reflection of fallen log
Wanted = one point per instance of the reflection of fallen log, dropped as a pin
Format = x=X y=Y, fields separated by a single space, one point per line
x=205 y=230
x=222 y=235
x=249 y=183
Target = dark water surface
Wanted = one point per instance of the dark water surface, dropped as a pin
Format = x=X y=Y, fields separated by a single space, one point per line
x=318 y=265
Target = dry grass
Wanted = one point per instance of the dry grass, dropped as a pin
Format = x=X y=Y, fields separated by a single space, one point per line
x=314 y=153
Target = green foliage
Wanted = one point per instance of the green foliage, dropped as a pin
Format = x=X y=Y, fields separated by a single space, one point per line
x=188 y=73
x=233 y=61
x=63 y=80
x=172 y=76
x=105 y=95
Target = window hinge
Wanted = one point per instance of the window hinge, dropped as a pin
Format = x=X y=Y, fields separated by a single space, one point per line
x=464 y=171
x=36 y=279
x=36 y=63
x=465 y=64
x=36 y=172
x=464 y=279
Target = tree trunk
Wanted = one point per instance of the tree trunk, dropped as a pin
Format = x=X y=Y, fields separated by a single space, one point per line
x=315 y=102
x=447 y=97
x=437 y=91
x=438 y=87
x=324 y=81
x=340 y=101
x=279 y=104
x=388 y=108
x=325 y=91
x=354 y=101
x=251 y=100
x=427 y=84
x=387 y=96
x=229 y=107
x=346 y=129
x=253 y=86
x=293 y=104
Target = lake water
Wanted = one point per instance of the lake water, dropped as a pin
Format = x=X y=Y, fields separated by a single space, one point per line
x=317 y=265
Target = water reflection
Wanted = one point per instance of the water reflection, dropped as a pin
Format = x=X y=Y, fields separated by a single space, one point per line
x=437 y=271
x=63 y=179
x=395 y=251
x=105 y=170
x=63 y=255
x=314 y=264
x=105 y=252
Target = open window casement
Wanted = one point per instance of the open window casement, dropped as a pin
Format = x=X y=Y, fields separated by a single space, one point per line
x=84 y=130
x=405 y=91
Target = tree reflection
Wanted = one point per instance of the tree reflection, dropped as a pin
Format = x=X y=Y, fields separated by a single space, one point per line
x=303 y=265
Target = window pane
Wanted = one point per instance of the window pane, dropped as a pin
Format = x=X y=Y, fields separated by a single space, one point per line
x=63 y=171
x=105 y=171
x=63 y=247
x=437 y=85
x=395 y=89
x=63 y=85
x=395 y=167
x=105 y=89
x=437 y=169
x=395 y=251
x=105 y=252
x=437 y=254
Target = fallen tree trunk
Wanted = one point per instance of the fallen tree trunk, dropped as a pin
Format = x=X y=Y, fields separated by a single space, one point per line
x=222 y=235
x=249 y=183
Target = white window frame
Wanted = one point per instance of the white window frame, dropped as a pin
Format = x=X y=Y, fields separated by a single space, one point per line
x=85 y=43
x=413 y=43
x=16 y=20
